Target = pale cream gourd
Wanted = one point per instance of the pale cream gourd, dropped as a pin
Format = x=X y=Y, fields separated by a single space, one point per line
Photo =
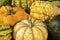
x=30 y=29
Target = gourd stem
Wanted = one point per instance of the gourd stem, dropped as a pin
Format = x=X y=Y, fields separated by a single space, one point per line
x=10 y=12
x=30 y=21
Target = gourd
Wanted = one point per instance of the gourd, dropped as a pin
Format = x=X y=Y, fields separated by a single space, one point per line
x=11 y=15
x=30 y=29
x=25 y=4
x=43 y=10
x=54 y=27
x=57 y=3
x=5 y=2
x=5 y=32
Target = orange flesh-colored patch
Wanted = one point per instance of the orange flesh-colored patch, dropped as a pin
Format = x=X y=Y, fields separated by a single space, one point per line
x=32 y=35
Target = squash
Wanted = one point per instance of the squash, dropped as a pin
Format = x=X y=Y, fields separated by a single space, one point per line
x=10 y=16
x=43 y=10
x=54 y=27
x=30 y=29
x=25 y=4
x=5 y=2
x=5 y=32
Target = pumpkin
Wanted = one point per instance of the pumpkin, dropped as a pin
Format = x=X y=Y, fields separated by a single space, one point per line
x=5 y=32
x=23 y=3
x=5 y=2
x=54 y=27
x=43 y=10
x=30 y=29
x=10 y=16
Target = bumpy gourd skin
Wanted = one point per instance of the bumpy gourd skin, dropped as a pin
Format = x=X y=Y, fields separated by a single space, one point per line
x=54 y=27
x=44 y=10
x=5 y=32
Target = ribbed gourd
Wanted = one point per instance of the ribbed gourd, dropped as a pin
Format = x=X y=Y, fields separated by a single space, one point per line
x=11 y=15
x=23 y=3
x=30 y=29
x=54 y=27
x=5 y=32
x=44 y=10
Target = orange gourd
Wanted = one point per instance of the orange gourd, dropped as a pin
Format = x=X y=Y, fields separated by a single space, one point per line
x=11 y=15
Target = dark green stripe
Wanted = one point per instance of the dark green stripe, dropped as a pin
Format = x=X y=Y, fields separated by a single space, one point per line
x=5 y=32
x=4 y=29
x=1 y=35
x=27 y=7
x=27 y=3
x=20 y=3
x=14 y=2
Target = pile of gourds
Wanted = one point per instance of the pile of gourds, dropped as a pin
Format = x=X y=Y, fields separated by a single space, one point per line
x=29 y=20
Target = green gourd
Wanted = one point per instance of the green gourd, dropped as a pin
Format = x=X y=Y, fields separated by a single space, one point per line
x=5 y=2
x=5 y=32
x=25 y=4
x=54 y=27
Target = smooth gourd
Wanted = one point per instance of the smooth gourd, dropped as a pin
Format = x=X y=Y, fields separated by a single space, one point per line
x=30 y=29
x=54 y=27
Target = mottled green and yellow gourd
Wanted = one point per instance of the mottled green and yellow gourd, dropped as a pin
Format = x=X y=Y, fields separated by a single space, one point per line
x=5 y=2
x=5 y=32
x=23 y=3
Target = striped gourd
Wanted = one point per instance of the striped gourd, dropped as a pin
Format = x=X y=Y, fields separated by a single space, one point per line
x=5 y=2
x=23 y=3
x=30 y=29
x=5 y=32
